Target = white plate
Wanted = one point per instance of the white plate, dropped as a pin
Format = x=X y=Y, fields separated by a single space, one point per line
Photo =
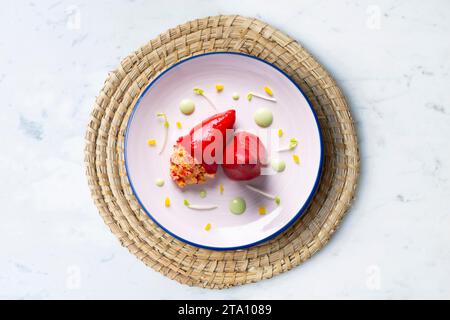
x=292 y=113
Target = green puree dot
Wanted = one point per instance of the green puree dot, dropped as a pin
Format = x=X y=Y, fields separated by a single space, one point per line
x=159 y=182
x=263 y=117
x=238 y=205
x=202 y=193
x=187 y=106
x=278 y=165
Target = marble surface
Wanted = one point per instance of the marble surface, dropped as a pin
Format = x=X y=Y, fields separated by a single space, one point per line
x=391 y=59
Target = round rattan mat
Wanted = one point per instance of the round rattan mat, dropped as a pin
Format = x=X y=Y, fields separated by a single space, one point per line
x=136 y=231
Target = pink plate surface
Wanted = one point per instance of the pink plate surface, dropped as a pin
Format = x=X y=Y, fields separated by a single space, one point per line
x=292 y=113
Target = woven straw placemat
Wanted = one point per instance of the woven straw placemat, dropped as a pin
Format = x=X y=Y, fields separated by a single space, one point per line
x=118 y=206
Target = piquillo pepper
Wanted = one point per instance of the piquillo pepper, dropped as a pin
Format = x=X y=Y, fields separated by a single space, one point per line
x=196 y=156
x=244 y=157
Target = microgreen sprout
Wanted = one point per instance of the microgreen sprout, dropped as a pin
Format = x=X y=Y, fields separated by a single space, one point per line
x=250 y=96
x=166 y=130
x=293 y=143
x=199 y=206
x=201 y=92
x=265 y=194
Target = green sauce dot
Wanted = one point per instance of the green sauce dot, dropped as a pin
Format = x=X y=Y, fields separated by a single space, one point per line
x=202 y=193
x=263 y=117
x=278 y=165
x=237 y=205
x=159 y=182
x=187 y=106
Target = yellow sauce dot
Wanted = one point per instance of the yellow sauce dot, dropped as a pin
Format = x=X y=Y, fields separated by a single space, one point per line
x=268 y=91
x=296 y=158
x=280 y=132
x=221 y=188
x=151 y=142
x=208 y=227
x=167 y=202
x=178 y=124
x=219 y=87
x=262 y=210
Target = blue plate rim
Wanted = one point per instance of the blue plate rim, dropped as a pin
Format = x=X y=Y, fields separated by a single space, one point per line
x=298 y=214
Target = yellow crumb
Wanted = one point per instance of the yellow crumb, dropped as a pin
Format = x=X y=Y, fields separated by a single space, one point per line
x=151 y=142
x=167 y=202
x=178 y=124
x=219 y=87
x=280 y=132
x=268 y=91
x=208 y=227
x=262 y=210
x=221 y=188
x=296 y=158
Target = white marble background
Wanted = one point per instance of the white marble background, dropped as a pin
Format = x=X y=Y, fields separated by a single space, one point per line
x=391 y=58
